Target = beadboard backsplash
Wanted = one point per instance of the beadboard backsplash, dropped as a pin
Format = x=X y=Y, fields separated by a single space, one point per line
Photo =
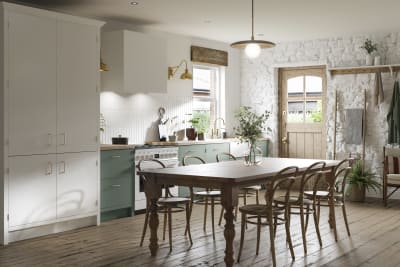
x=136 y=116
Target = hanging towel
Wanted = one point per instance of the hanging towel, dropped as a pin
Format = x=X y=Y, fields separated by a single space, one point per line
x=353 y=126
x=378 y=91
x=393 y=117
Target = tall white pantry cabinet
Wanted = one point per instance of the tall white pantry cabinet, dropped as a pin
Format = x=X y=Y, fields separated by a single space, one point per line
x=49 y=121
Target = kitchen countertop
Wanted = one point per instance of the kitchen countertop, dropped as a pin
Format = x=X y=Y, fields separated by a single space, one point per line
x=112 y=147
x=187 y=143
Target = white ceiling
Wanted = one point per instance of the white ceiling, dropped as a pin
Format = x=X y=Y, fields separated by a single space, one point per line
x=230 y=20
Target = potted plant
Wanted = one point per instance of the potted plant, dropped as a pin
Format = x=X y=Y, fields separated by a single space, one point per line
x=358 y=180
x=249 y=129
x=191 y=132
x=369 y=47
x=201 y=122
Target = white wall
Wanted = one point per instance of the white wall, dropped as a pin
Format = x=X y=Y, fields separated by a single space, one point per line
x=259 y=86
x=133 y=115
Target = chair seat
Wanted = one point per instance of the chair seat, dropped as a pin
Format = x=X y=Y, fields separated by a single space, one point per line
x=173 y=200
x=208 y=193
x=259 y=210
x=253 y=187
x=318 y=193
x=293 y=201
x=393 y=179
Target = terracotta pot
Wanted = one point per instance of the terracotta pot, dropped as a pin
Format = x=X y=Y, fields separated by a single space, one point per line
x=356 y=193
x=191 y=134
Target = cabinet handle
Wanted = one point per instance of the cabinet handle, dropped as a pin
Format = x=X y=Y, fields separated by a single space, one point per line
x=63 y=169
x=49 y=169
x=115 y=157
x=64 y=138
x=49 y=139
x=116 y=185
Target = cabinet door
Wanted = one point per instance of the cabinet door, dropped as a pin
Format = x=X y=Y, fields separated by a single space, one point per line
x=192 y=150
x=77 y=96
x=32 y=189
x=32 y=84
x=77 y=184
x=213 y=149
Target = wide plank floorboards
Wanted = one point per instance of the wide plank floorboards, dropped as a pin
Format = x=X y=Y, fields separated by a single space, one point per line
x=374 y=241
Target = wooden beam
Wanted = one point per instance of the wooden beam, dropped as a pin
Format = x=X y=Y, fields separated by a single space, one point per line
x=364 y=69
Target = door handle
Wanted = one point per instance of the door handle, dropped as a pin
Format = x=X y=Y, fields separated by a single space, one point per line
x=285 y=140
x=61 y=171
x=49 y=169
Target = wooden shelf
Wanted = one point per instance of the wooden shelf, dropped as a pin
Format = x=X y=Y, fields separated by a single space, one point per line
x=364 y=69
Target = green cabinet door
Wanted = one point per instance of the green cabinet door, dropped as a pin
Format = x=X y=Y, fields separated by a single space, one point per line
x=213 y=149
x=263 y=145
x=192 y=150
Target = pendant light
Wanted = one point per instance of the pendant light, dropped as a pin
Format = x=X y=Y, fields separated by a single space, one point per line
x=252 y=47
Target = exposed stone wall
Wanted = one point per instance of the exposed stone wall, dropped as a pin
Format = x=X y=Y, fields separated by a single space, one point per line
x=259 y=86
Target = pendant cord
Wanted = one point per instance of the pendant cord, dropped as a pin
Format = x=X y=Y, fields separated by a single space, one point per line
x=252 y=19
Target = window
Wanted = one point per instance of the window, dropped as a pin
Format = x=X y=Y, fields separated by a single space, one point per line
x=208 y=94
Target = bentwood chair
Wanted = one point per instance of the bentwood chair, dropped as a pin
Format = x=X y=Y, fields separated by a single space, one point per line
x=334 y=195
x=202 y=197
x=270 y=214
x=244 y=192
x=391 y=172
x=167 y=204
x=302 y=206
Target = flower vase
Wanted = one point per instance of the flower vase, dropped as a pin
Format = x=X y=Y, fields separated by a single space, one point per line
x=253 y=156
x=369 y=60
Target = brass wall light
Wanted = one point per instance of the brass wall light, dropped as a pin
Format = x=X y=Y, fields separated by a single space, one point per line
x=103 y=66
x=185 y=76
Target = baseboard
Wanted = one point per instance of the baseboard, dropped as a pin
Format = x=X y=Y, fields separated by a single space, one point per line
x=51 y=228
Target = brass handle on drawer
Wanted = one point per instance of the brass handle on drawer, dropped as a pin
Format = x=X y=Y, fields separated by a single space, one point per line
x=115 y=157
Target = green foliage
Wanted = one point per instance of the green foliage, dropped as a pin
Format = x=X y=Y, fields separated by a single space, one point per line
x=358 y=176
x=369 y=46
x=201 y=121
x=250 y=125
x=316 y=116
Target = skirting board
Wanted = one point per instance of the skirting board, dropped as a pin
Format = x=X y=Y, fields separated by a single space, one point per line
x=51 y=228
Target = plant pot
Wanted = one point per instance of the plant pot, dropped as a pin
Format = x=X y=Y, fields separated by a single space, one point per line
x=369 y=60
x=356 y=193
x=200 y=136
x=377 y=60
x=191 y=134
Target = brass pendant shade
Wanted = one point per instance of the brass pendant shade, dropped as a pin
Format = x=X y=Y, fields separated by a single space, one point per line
x=260 y=43
x=184 y=76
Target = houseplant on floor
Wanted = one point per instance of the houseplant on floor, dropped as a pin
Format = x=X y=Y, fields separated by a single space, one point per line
x=358 y=180
x=249 y=129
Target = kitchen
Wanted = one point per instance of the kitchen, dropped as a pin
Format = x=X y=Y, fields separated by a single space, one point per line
x=128 y=99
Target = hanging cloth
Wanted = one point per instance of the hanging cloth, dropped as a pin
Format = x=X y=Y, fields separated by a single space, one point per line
x=393 y=117
x=378 y=91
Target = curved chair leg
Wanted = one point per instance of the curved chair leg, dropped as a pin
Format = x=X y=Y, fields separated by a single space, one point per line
x=190 y=214
x=220 y=216
x=212 y=217
x=165 y=222
x=241 y=236
x=307 y=216
x=170 y=229
x=317 y=227
x=188 y=223
x=345 y=219
x=257 y=199
x=303 y=231
x=258 y=234
x=205 y=214
x=288 y=236
x=146 y=222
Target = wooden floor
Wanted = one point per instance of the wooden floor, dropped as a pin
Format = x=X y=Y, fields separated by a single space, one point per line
x=375 y=241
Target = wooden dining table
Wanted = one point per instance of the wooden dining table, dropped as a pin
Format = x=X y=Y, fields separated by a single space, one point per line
x=229 y=177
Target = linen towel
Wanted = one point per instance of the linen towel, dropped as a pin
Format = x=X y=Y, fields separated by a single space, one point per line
x=378 y=90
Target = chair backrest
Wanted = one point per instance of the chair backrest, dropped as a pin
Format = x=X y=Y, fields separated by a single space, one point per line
x=224 y=156
x=391 y=160
x=145 y=164
x=342 y=170
x=284 y=178
x=311 y=177
x=187 y=160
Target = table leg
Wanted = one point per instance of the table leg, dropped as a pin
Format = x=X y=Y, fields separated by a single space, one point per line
x=269 y=201
x=153 y=193
x=229 y=200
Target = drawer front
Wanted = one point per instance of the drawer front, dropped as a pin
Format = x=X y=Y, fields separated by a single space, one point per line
x=263 y=145
x=213 y=149
x=192 y=150
x=116 y=193
x=116 y=163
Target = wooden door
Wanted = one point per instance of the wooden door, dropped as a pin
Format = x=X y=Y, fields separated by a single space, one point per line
x=77 y=95
x=32 y=84
x=302 y=109
x=77 y=184
x=32 y=190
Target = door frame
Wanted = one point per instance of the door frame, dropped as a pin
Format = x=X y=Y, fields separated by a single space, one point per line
x=280 y=102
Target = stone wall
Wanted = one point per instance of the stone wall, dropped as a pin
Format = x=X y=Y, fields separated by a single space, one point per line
x=259 y=86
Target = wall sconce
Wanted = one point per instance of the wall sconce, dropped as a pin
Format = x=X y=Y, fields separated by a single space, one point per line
x=103 y=66
x=185 y=76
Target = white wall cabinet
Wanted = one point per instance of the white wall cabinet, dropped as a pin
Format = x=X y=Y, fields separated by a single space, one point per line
x=50 y=77
x=137 y=62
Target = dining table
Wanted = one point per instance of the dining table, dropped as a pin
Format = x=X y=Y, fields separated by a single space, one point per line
x=229 y=177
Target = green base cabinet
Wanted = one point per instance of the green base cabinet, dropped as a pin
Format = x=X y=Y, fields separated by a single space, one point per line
x=117 y=184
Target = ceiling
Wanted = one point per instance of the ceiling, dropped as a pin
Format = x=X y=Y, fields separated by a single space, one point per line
x=230 y=20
